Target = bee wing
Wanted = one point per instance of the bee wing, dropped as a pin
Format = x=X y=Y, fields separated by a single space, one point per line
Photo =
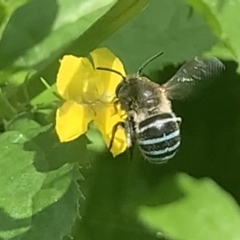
x=195 y=72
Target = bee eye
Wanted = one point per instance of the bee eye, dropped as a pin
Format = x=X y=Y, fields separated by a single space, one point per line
x=118 y=88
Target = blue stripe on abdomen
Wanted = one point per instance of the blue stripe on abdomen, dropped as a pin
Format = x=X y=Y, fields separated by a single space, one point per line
x=162 y=159
x=156 y=140
x=160 y=139
x=160 y=152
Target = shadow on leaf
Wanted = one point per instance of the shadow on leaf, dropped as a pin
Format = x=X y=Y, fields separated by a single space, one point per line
x=114 y=189
x=55 y=154
x=27 y=26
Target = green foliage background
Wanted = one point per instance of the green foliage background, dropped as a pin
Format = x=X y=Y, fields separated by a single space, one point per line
x=77 y=190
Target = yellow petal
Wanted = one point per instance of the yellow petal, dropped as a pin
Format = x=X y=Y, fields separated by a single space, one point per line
x=105 y=120
x=77 y=80
x=102 y=57
x=72 y=120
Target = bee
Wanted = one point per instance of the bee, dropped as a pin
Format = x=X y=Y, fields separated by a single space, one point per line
x=150 y=121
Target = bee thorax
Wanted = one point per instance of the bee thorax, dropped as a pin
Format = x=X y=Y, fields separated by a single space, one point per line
x=165 y=105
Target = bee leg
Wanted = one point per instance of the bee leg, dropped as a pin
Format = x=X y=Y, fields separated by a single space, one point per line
x=129 y=133
x=115 y=104
x=128 y=126
x=114 y=130
x=130 y=150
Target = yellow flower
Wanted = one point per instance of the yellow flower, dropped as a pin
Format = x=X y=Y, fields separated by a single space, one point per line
x=88 y=95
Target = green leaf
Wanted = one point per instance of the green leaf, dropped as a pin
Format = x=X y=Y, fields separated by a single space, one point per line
x=14 y=4
x=118 y=16
x=46 y=96
x=167 y=26
x=48 y=140
x=221 y=51
x=223 y=17
x=7 y=110
x=3 y=12
x=96 y=140
x=24 y=124
x=193 y=209
x=44 y=27
x=39 y=194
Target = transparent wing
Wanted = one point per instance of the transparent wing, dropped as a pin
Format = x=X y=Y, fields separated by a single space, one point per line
x=195 y=72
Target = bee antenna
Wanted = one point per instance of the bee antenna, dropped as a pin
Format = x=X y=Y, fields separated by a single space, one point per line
x=147 y=62
x=111 y=70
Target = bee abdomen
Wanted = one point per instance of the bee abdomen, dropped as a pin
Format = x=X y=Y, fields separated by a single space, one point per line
x=158 y=137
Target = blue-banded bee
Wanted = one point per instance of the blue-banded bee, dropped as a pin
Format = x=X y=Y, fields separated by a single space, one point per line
x=150 y=121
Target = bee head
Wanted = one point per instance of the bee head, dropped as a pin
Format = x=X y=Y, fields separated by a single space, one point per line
x=126 y=80
x=118 y=73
